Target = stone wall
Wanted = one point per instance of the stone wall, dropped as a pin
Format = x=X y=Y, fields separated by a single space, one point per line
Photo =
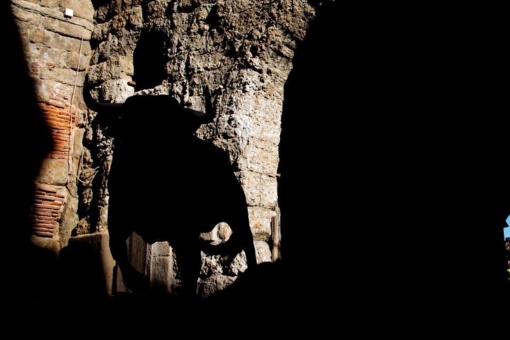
x=57 y=50
x=242 y=50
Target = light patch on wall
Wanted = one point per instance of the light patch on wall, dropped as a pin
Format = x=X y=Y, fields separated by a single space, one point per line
x=68 y=13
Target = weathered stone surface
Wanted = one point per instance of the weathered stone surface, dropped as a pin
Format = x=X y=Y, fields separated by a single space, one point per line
x=50 y=3
x=266 y=123
x=112 y=8
x=54 y=46
x=224 y=231
x=238 y=265
x=50 y=244
x=35 y=36
x=20 y=13
x=117 y=91
x=63 y=75
x=54 y=171
x=260 y=222
x=261 y=190
x=113 y=70
x=160 y=249
x=263 y=252
x=220 y=233
x=50 y=90
x=54 y=40
x=69 y=218
x=78 y=146
x=75 y=61
x=214 y=283
x=161 y=273
x=242 y=50
x=28 y=11
x=51 y=54
x=67 y=29
x=78 y=46
x=210 y=265
x=261 y=156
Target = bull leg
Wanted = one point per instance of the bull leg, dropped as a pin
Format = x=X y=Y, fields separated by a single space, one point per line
x=242 y=239
x=189 y=263
x=132 y=279
x=249 y=248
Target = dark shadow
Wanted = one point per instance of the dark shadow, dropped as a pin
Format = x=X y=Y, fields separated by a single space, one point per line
x=149 y=60
x=28 y=270
x=166 y=184
x=393 y=188
x=85 y=276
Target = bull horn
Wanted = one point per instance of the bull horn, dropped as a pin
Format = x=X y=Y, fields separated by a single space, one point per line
x=94 y=105
x=209 y=113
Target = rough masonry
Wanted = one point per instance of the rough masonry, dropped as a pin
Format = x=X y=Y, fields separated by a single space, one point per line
x=242 y=50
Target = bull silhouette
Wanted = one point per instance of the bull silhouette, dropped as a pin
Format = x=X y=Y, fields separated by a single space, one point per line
x=166 y=184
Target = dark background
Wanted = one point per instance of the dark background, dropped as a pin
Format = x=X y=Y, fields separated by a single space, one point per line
x=394 y=184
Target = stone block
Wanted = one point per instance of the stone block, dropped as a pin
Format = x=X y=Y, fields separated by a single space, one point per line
x=75 y=61
x=78 y=46
x=48 y=53
x=263 y=252
x=78 y=145
x=50 y=3
x=224 y=231
x=54 y=171
x=220 y=233
x=260 y=222
x=69 y=219
x=261 y=190
x=160 y=249
x=214 y=284
x=55 y=41
x=266 y=120
x=261 y=156
x=24 y=15
x=67 y=29
x=62 y=75
x=161 y=274
x=37 y=36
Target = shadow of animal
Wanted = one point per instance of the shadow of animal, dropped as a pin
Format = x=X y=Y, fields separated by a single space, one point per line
x=166 y=184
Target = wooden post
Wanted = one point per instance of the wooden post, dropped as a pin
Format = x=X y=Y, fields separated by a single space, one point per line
x=276 y=235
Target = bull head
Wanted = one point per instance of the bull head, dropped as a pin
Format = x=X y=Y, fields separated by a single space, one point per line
x=137 y=104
